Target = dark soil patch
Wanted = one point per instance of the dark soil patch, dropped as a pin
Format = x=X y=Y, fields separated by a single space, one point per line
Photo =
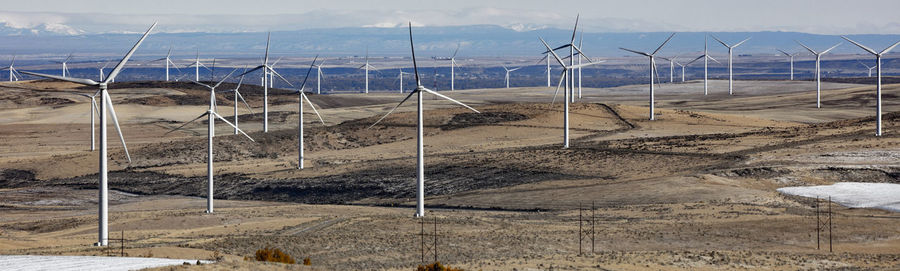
x=464 y=120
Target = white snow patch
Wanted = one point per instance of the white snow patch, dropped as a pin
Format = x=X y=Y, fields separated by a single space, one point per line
x=92 y=263
x=884 y=196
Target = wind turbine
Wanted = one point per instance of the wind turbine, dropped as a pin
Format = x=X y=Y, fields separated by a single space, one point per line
x=547 y=57
x=792 y=62
x=105 y=105
x=572 y=48
x=266 y=70
x=706 y=58
x=508 y=70
x=818 y=71
x=13 y=73
x=878 y=56
x=302 y=97
x=730 y=62
x=65 y=69
x=565 y=77
x=671 y=68
x=197 y=66
x=420 y=149
x=652 y=70
x=452 y=60
x=684 y=65
x=94 y=109
x=319 y=76
x=237 y=94
x=102 y=76
x=367 y=67
x=870 y=68
x=169 y=61
x=211 y=132
x=400 y=77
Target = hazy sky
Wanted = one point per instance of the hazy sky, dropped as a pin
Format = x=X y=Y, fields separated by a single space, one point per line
x=822 y=16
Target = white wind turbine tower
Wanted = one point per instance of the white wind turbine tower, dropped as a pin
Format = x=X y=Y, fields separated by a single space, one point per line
x=547 y=57
x=94 y=109
x=453 y=65
x=169 y=61
x=211 y=132
x=319 y=76
x=685 y=65
x=400 y=77
x=508 y=70
x=266 y=70
x=65 y=68
x=869 y=68
x=565 y=77
x=706 y=58
x=105 y=105
x=878 y=56
x=818 y=71
x=13 y=73
x=652 y=70
x=302 y=97
x=671 y=68
x=367 y=67
x=420 y=149
x=730 y=62
x=792 y=62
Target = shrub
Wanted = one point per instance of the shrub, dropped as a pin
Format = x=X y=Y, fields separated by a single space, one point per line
x=436 y=266
x=307 y=261
x=274 y=255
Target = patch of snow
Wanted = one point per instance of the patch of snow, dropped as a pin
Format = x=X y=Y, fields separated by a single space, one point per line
x=884 y=196
x=92 y=263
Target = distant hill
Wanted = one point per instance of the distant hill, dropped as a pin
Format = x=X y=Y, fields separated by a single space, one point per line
x=476 y=41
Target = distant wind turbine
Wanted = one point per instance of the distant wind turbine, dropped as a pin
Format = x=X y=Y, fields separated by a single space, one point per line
x=453 y=65
x=508 y=70
x=197 y=66
x=652 y=70
x=869 y=68
x=65 y=69
x=320 y=76
x=730 y=62
x=105 y=105
x=237 y=95
x=566 y=75
x=684 y=65
x=878 y=56
x=572 y=48
x=792 y=61
x=367 y=67
x=266 y=70
x=169 y=61
x=13 y=73
x=94 y=109
x=818 y=71
x=706 y=58
x=211 y=132
x=420 y=149
x=302 y=97
x=400 y=77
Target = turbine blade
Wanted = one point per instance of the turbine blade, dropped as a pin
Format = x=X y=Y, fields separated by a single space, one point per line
x=449 y=99
x=783 y=52
x=186 y=123
x=692 y=61
x=202 y=84
x=232 y=125
x=582 y=53
x=552 y=52
x=663 y=44
x=303 y=85
x=88 y=82
x=889 y=48
x=238 y=93
x=454 y=52
x=112 y=75
x=807 y=48
x=739 y=43
x=252 y=70
x=862 y=46
x=561 y=78
x=412 y=49
x=832 y=47
x=636 y=52
x=584 y=65
x=112 y=113
x=417 y=89
x=713 y=59
x=224 y=78
x=302 y=97
x=575 y=30
x=720 y=41
x=281 y=77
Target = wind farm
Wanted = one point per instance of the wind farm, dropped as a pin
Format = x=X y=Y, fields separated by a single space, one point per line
x=486 y=167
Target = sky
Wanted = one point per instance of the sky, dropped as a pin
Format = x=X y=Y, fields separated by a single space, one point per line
x=99 y=16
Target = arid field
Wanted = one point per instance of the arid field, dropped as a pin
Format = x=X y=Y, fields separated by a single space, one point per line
x=694 y=189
